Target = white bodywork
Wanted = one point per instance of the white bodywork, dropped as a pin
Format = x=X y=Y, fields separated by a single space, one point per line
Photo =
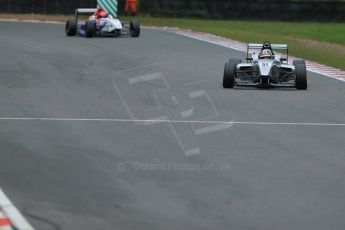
x=265 y=67
x=110 y=24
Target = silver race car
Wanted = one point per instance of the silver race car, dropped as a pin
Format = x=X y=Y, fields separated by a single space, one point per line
x=264 y=68
x=102 y=27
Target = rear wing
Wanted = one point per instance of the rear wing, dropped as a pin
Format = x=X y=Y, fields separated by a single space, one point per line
x=84 y=11
x=267 y=45
x=273 y=46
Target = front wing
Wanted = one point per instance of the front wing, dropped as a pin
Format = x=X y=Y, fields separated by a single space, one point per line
x=249 y=75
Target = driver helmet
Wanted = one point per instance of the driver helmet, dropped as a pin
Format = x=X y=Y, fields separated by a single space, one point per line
x=266 y=54
x=103 y=14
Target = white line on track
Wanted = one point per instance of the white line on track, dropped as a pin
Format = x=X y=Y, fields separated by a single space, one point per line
x=153 y=121
x=12 y=213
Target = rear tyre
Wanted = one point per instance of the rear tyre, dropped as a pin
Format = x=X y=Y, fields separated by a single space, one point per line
x=301 y=76
x=296 y=62
x=134 y=28
x=229 y=75
x=89 y=29
x=71 y=27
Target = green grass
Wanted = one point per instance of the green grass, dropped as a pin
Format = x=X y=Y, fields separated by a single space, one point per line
x=317 y=34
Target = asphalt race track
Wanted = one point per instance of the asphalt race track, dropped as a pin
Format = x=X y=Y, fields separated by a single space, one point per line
x=91 y=166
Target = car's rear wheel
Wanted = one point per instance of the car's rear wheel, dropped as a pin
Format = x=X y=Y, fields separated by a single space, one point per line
x=71 y=27
x=301 y=76
x=89 y=29
x=134 y=28
x=229 y=75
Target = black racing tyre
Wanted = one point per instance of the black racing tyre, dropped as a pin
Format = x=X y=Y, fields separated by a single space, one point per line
x=71 y=27
x=235 y=60
x=134 y=28
x=229 y=75
x=89 y=29
x=295 y=62
x=301 y=76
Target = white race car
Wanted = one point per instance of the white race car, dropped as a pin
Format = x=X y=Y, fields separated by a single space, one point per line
x=102 y=27
x=265 y=68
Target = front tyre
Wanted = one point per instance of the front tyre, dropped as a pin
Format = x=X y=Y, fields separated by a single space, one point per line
x=229 y=75
x=301 y=76
x=235 y=60
x=71 y=27
x=134 y=28
x=296 y=62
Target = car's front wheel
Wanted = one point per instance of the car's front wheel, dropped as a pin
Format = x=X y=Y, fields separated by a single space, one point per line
x=229 y=75
x=89 y=29
x=235 y=60
x=134 y=28
x=301 y=76
x=296 y=62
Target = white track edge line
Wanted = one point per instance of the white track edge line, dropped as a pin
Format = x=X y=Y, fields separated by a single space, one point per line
x=11 y=212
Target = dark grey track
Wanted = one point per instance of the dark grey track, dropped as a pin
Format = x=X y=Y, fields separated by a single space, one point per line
x=84 y=174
